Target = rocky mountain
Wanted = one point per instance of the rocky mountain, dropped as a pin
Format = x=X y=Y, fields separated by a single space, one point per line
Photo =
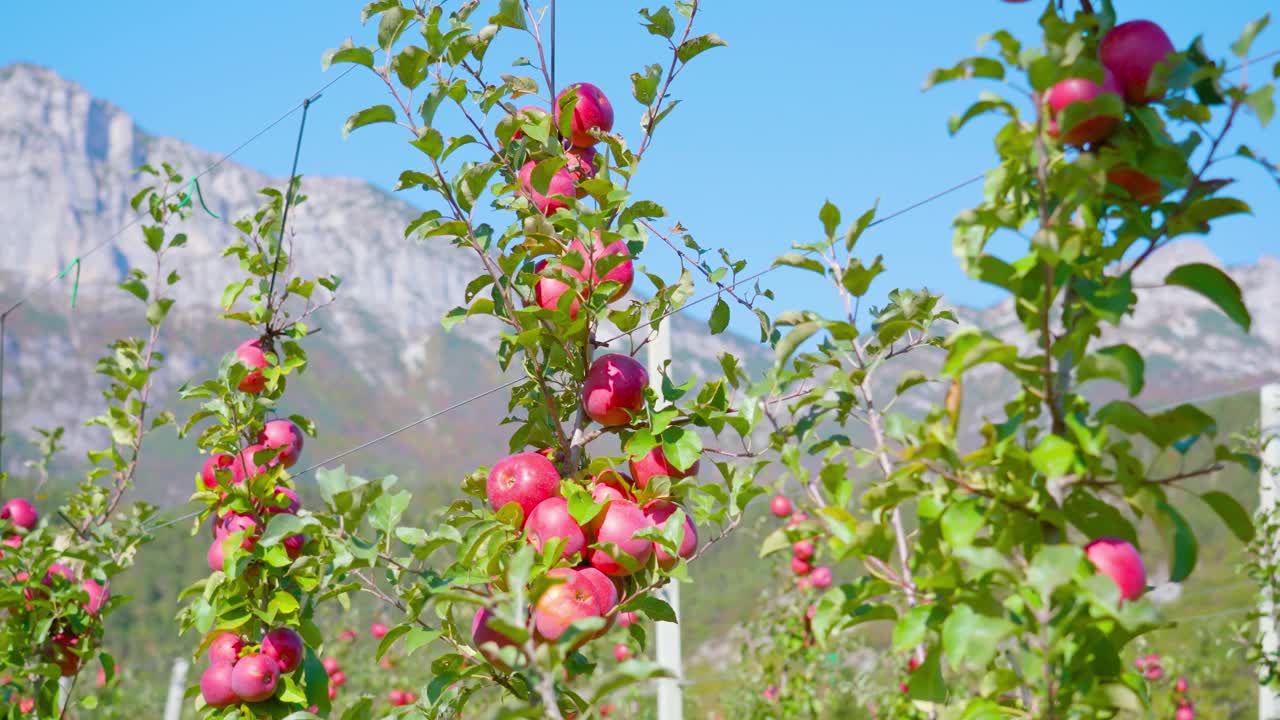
x=382 y=359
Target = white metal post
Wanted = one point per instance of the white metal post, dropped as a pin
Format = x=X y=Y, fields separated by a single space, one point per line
x=177 y=686
x=1268 y=500
x=670 y=702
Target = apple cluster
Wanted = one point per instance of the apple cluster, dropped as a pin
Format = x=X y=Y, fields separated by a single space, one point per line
x=803 y=551
x=239 y=672
x=1131 y=54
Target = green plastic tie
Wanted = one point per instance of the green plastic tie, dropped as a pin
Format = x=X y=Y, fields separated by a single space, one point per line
x=195 y=190
x=75 y=287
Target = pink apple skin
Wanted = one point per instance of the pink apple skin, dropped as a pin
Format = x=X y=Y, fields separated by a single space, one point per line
x=331 y=664
x=1181 y=685
x=285 y=435
x=1141 y=187
x=285 y=501
x=1132 y=50
x=658 y=511
x=802 y=549
x=378 y=630
x=216 y=557
x=655 y=463
x=611 y=485
x=235 y=522
x=57 y=569
x=293 y=545
x=216 y=462
x=525 y=479
x=250 y=355
x=13 y=541
x=771 y=693
x=621 y=652
x=821 y=577
x=564 y=604
x=801 y=568
x=244 y=466
x=614 y=389
x=1074 y=90
x=1121 y=562
x=215 y=686
x=285 y=647
x=225 y=649
x=548 y=291
x=98 y=595
x=591 y=111
x=780 y=506
x=1184 y=712
x=481 y=634
x=254 y=678
x=797 y=517
x=622 y=520
x=561 y=185
x=621 y=272
x=21 y=513
x=581 y=164
x=551 y=519
x=627 y=619
x=606 y=592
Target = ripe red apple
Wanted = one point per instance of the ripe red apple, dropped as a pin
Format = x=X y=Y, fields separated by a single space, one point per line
x=551 y=519
x=602 y=256
x=605 y=591
x=802 y=549
x=658 y=511
x=1121 y=562
x=378 y=630
x=63 y=653
x=821 y=577
x=293 y=545
x=482 y=634
x=235 y=522
x=285 y=647
x=215 y=686
x=250 y=354
x=217 y=463
x=225 y=648
x=330 y=665
x=1132 y=50
x=396 y=697
x=98 y=596
x=254 y=678
x=610 y=485
x=21 y=513
x=1184 y=712
x=244 y=466
x=582 y=165
x=614 y=389
x=1181 y=685
x=26 y=705
x=1141 y=187
x=346 y=635
x=621 y=652
x=561 y=185
x=284 y=500
x=1083 y=90
x=592 y=110
x=800 y=567
x=525 y=479
x=565 y=603
x=285 y=435
x=57 y=570
x=780 y=505
x=333 y=691
x=216 y=557
x=622 y=519
x=549 y=289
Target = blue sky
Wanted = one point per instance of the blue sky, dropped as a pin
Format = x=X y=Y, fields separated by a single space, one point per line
x=821 y=101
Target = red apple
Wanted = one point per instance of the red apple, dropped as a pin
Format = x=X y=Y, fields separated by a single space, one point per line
x=481 y=634
x=610 y=485
x=800 y=567
x=525 y=479
x=13 y=541
x=285 y=435
x=215 y=686
x=561 y=185
x=802 y=549
x=1181 y=685
x=658 y=511
x=592 y=110
x=250 y=355
x=548 y=291
x=621 y=652
x=98 y=596
x=614 y=390
x=1082 y=90
x=605 y=591
x=582 y=165
x=26 y=705
x=293 y=545
x=247 y=525
x=63 y=653
x=396 y=697
x=244 y=466
x=20 y=512
x=218 y=463
x=821 y=577
x=57 y=570
x=627 y=619
x=225 y=648
x=216 y=556
x=780 y=505
x=1121 y=562
x=1132 y=50
x=333 y=691
x=622 y=519
x=254 y=678
x=347 y=635
x=551 y=519
x=602 y=256
x=285 y=647
x=330 y=665
x=378 y=630
x=771 y=693
x=1140 y=187
x=284 y=500
x=1184 y=712
x=797 y=517
x=565 y=603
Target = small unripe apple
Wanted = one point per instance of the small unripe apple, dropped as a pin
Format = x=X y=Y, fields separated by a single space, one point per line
x=225 y=648
x=1133 y=50
x=285 y=435
x=250 y=354
x=525 y=479
x=551 y=519
x=654 y=463
x=1120 y=561
x=614 y=389
x=378 y=630
x=622 y=520
x=592 y=110
x=285 y=646
x=621 y=652
x=215 y=686
x=254 y=677
x=21 y=513
x=780 y=506
x=561 y=186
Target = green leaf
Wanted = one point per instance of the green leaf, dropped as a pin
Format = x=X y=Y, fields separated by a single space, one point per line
x=961 y=522
x=368 y=116
x=1054 y=456
x=1180 y=540
x=804 y=262
x=970 y=639
x=509 y=15
x=644 y=86
x=1096 y=518
x=1120 y=363
x=719 y=317
x=689 y=49
x=347 y=54
x=910 y=629
x=792 y=340
x=1233 y=514
x=659 y=23
x=1240 y=48
x=857 y=279
x=927 y=683
x=1216 y=286
x=387 y=510
x=830 y=217
x=653 y=608
x=1052 y=567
